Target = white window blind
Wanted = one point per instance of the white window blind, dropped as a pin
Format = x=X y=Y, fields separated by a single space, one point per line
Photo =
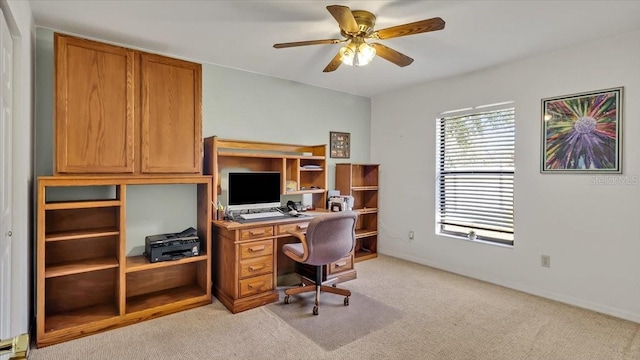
x=475 y=175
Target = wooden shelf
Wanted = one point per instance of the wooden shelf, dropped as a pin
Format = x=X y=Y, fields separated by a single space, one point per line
x=87 y=204
x=78 y=317
x=81 y=266
x=364 y=188
x=81 y=234
x=164 y=297
x=361 y=233
x=366 y=211
x=267 y=155
x=141 y=263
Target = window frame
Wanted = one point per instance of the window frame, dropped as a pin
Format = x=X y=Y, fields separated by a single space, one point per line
x=502 y=183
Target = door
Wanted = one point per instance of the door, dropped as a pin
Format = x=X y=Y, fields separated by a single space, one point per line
x=94 y=123
x=6 y=51
x=171 y=121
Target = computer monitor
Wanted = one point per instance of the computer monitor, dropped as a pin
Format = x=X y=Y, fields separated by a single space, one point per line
x=253 y=190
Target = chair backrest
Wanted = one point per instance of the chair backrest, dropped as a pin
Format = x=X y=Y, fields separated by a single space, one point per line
x=331 y=237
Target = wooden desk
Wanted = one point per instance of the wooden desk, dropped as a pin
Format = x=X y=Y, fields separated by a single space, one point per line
x=247 y=261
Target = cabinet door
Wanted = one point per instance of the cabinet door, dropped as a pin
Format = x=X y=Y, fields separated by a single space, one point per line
x=94 y=121
x=171 y=121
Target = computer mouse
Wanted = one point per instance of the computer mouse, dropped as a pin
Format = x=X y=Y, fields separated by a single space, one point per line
x=293 y=212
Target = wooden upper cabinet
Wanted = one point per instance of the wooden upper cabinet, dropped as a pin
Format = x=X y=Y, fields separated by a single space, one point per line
x=171 y=120
x=122 y=111
x=94 y=110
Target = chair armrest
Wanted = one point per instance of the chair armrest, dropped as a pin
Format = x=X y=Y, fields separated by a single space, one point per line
x=305 y=249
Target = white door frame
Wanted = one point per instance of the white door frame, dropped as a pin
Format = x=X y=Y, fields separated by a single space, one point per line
x=6 y=173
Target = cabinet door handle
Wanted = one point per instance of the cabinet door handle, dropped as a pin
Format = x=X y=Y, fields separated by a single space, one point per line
x=254 y=233
x=256 y=248
x=256 y=285
x=302 y=226
x=256 y=268
x=341 y=264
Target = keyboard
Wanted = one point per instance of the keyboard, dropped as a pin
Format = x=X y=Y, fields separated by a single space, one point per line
x=261 y=215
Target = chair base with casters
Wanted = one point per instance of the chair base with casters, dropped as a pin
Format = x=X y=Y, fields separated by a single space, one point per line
x=328 y=238
x=318 y=288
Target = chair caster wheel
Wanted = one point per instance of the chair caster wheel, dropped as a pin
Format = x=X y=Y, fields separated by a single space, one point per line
x=286 y=299
x=315 y=310
x=346 y=301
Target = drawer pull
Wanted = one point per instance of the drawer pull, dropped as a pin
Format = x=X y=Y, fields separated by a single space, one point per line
x=256 y=248
x=257 y=285
x=256 y=268
x=302 y=226
x=256 y=232
x=341 y=264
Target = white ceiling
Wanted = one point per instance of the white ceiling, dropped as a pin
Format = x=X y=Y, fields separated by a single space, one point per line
x=239 y=34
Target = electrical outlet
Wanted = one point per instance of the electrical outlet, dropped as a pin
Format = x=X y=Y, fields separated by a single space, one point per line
x=411 y=235
x=545 y=260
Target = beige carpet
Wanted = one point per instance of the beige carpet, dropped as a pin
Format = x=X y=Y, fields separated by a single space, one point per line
x=336 y=325
x=445 y=317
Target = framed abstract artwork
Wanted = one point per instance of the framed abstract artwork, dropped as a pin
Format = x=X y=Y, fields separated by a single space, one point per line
x=582 y=133
x=340 y=144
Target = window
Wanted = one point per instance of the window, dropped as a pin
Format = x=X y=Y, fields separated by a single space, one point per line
x=475 y=168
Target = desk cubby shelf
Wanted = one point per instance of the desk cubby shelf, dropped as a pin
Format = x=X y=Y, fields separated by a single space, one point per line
x=86 y=283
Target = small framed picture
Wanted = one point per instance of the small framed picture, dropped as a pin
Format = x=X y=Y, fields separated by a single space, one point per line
x=340 y=145
x=582 y=133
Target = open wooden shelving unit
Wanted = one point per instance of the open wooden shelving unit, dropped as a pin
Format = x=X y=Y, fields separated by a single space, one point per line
x=86 y=283
x=361 y=182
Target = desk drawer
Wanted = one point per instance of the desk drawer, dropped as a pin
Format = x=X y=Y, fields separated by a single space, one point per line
x=341 y=265
x=256 y=285
x=286 y=228
x=256 y=233
x=257 y=266
x=256 y=249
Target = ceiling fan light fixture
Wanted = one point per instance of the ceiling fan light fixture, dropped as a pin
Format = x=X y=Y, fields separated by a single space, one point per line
x=355 y=54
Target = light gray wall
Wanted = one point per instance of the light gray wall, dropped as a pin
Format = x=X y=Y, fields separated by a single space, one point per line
x=591 y=231
x=235 y=105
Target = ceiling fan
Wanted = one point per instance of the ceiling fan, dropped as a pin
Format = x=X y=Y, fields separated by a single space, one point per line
x=357 y=27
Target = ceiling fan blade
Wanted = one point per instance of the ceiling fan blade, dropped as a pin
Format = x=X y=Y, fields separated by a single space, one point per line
x=345 y=18
x=334 y=63
x=308 y=42
x=410 y=29
x=391 y=55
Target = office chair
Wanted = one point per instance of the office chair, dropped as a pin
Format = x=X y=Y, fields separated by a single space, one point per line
x=328 y=238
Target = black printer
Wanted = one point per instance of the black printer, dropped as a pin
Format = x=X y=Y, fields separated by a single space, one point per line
x=172 y=246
